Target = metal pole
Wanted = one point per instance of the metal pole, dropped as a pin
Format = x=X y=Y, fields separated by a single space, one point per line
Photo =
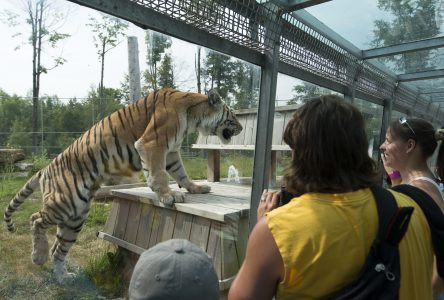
x=265 y=117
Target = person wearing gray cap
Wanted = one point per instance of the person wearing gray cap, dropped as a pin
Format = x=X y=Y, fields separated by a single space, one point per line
x=174 y=269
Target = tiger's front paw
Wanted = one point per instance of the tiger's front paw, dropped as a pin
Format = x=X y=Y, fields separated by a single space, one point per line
x=199 y=189
x=172 y=197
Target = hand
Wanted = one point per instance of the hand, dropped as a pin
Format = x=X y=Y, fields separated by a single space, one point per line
x=387 y=168
x=268 y=202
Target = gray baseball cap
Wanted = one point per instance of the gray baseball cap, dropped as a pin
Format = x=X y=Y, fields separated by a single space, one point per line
x=174 y=269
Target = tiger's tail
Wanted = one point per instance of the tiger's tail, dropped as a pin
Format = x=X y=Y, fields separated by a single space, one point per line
x=31 y=185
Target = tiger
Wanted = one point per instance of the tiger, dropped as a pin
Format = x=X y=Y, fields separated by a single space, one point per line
x=144 y=136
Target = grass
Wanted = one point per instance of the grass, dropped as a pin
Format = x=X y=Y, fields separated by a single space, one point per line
x=22 y=279
x=96 y=262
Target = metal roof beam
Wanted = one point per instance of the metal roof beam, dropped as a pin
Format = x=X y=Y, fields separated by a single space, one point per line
x=147 y=18
x=426 y=91
x=421 y=75
x=291 y=5
x=425 y=44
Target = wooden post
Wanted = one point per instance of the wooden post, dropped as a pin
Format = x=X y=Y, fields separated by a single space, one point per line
x=133 y=69
x=272 y=174
x=213 y=174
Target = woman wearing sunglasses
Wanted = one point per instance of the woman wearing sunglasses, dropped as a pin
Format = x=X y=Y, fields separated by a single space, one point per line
x=407 y=146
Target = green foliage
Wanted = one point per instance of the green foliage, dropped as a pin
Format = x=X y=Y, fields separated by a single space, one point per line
x=305 y=91
x=20 y=135
x=219 y=72
x=412 y=21
x=38 y=161
x=114 y=100
x=166 y=74
x=104 y=271
x=98 y=214
x=108 y=31
x=236 y=81
x=158 y=61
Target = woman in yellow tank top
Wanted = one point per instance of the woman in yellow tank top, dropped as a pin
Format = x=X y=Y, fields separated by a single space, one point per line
x=316 y=244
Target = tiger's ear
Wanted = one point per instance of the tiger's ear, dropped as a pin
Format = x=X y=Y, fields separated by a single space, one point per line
x=214 y=98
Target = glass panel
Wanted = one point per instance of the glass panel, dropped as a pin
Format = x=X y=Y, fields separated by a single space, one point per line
x=293 y=93
x=413 y=62
x=372 y=114
x=381 y=23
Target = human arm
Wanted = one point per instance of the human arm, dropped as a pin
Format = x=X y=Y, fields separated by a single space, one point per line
x=262 y=269
x=434 y=193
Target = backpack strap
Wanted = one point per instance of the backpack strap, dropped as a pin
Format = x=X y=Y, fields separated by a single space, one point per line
x=393 y=220
x=435 y=219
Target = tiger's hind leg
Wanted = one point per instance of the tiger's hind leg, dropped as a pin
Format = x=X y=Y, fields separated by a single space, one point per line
x=40 y=246
x=65 y=238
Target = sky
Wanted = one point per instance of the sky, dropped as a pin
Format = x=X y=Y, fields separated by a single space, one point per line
x=81 y=72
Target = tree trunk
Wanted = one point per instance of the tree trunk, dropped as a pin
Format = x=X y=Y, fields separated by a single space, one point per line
x=102 y=102
x=198 y=71
x=36 y=24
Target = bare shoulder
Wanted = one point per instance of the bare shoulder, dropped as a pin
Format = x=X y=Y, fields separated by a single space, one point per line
x=430 y=189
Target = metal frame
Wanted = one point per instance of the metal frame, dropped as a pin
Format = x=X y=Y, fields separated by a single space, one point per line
x=276 y=38
x=425 y=44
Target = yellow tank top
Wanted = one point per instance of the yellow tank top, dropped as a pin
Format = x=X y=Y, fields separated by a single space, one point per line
x=324 y=239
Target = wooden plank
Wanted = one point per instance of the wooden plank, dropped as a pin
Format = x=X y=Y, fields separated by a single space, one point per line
x=112 y=218
x=283 y=147
x=213 y=248
x=145 y=225
x=272 y=174
x=208 y=208
x=122 y=218
x=229 y=255
x=133 y=222
x=242 y=238
x=120 y=242
x=278 y=128
x=166 y=227
x=218 y=190
x=105 y=191
x=253 y=133
x=182 y=229
x=213 y=168
x=207 y=211
x=200 y=230
x=155 y=227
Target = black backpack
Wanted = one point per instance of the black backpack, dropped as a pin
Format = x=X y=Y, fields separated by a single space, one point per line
x=379 y=278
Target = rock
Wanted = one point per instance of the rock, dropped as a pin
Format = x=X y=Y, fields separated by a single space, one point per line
x=11 y=155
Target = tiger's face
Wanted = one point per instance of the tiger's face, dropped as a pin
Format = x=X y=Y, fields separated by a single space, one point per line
x=229 y=127
x=226 y=124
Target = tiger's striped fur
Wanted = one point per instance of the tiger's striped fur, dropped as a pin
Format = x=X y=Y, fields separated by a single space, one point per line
x=145 y=135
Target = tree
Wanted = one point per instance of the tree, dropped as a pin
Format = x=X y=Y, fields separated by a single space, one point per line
x=113 y=98
x=219 y=72
x=306 y=91
x=166 y=73
x=108 y=33
x=157 y=45
x=240 y=93
x=43 y=22
x=412 y=20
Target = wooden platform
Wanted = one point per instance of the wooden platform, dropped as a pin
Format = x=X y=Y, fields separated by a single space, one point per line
x=217 y=222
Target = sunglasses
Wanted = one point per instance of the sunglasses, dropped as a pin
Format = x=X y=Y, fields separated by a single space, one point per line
x=403 y=121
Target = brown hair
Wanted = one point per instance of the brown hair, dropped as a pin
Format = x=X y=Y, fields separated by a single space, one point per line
x=329 y=148
x=425 y=137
